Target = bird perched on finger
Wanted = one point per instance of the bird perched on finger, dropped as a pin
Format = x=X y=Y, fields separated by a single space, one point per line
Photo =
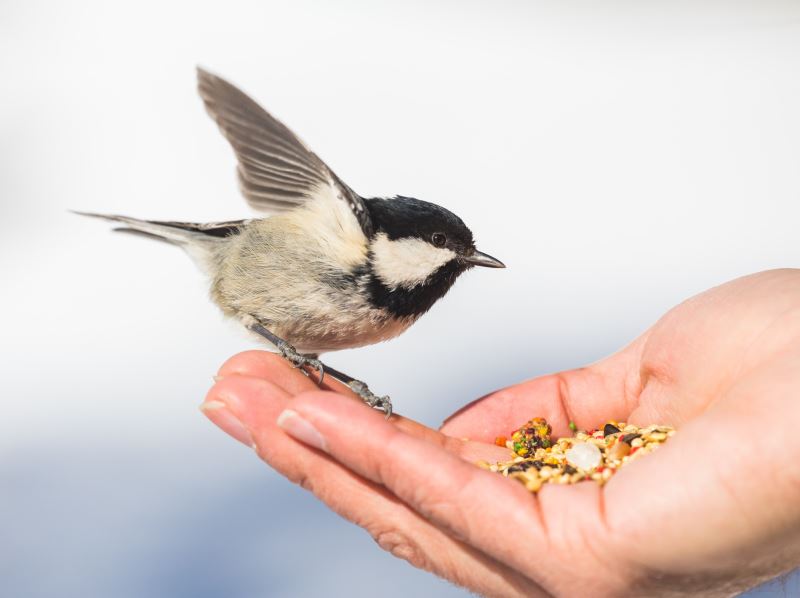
x=327 y=269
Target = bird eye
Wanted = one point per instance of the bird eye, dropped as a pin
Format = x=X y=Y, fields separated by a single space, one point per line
x=438 y=239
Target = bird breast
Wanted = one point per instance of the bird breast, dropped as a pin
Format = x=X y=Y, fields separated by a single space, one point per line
x=301 y=280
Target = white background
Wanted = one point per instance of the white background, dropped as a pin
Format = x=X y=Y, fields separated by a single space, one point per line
x=618 y=156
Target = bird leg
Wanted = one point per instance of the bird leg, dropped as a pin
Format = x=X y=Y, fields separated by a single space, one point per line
x=299 y=360
x=383 y=403
x=289 y=353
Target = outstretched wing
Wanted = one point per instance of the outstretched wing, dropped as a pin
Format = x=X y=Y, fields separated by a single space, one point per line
x=276 y=170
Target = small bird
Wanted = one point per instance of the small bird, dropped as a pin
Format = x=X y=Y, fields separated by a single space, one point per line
x=327 y=269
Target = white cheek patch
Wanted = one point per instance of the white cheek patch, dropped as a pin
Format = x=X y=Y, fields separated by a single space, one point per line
x=407 y=262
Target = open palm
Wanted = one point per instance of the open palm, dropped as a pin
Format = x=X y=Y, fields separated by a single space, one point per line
x=715 y=510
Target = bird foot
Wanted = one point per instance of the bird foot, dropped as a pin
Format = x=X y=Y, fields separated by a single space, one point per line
x=383 y=403
x=299 y=360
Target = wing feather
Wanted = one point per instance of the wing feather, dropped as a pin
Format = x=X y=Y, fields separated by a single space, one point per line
x=276 y=170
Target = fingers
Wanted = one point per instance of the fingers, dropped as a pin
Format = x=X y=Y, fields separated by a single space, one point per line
x=272 y=367
x=587 y=396
x=440 y=487
x=256 y=403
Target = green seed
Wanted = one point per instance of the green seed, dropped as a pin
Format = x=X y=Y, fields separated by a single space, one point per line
x=573 y=427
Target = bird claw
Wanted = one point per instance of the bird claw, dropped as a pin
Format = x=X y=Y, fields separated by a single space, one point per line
x=383 y=403
x=299 y=360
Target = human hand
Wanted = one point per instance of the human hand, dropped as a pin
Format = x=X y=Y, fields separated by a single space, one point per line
x=714 y=511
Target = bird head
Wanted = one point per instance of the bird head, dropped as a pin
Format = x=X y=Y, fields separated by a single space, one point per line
x=418 y=249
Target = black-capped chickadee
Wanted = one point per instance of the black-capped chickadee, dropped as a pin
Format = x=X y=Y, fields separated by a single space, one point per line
x=328 y=269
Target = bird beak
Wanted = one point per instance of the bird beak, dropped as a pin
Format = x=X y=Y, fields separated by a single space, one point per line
x=482 y=259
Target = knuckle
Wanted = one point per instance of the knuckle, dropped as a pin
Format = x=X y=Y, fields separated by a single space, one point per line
x=304 y=481
x=301 y=478
x=400 y=545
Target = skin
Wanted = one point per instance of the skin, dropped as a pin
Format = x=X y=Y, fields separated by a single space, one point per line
x=714 y=511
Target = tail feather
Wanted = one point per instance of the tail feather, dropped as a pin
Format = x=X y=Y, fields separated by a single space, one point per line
x=179 y=233
x=141 y=233
x=199 y=241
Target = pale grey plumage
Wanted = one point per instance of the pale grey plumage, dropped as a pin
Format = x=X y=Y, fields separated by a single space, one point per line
x=322 y=310
x=329 y=269
x=286 y=273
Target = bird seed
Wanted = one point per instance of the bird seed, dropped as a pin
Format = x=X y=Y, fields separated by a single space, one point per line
x=588 y=455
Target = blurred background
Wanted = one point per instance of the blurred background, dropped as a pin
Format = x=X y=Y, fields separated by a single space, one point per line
x=618 y=156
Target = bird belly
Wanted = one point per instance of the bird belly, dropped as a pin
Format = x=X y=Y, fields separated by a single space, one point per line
x=323 y=333
x=329 y=319
x=300 y=291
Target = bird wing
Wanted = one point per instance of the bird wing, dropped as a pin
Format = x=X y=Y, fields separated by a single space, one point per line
x=277 y=172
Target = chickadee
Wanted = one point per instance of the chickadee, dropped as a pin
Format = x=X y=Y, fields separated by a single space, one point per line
x=328 y=269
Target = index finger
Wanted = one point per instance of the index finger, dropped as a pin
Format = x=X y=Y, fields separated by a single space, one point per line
x=487 y=511
x=432 y=481
x=273 y=367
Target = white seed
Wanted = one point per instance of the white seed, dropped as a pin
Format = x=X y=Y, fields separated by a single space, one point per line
x=585 y=456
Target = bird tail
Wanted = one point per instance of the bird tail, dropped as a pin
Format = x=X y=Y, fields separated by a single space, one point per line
x=177 y=233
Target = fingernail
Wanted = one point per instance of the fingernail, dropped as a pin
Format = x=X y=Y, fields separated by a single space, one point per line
x=217 y=378
x=301 y=429
x=218 y=412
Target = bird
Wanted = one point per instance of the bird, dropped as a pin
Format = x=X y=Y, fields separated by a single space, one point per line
x=325 y=268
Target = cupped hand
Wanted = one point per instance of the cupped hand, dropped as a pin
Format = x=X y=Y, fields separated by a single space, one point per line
x=714 y=511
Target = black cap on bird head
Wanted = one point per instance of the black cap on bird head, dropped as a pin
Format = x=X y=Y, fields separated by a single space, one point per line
x=417 y=251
